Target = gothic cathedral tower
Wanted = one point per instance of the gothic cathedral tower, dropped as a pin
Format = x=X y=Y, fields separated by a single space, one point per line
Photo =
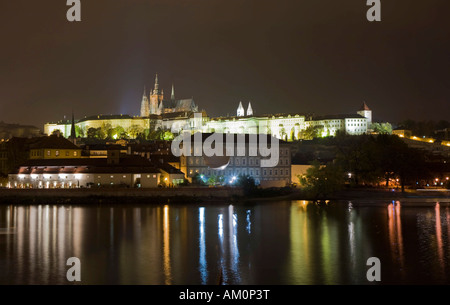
x=145 y=111
x=156 y=97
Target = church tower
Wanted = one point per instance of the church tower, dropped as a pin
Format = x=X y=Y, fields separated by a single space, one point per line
x=73 y=133
x=367 y=113
x=145 y=110
x=240 y=110
x=249 y=109
x=156 y=96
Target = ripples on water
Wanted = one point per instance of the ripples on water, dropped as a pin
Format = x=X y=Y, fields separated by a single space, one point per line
x=270 y=243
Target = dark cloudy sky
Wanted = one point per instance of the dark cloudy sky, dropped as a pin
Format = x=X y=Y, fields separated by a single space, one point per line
x=319 y=56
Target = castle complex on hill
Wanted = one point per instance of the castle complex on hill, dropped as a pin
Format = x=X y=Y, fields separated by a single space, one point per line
x=177 y=115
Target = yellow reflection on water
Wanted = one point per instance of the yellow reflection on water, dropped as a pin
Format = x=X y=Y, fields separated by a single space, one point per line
x=300 y=266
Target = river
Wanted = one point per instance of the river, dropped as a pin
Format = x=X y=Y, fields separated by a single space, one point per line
x=284 y=242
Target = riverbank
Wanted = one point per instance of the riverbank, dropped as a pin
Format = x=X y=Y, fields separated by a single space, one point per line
x=361 y=195
x=118 y=195
x=204 y=195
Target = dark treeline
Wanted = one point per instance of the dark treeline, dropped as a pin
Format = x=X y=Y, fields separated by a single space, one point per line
x=370 y=160
x=436 y=129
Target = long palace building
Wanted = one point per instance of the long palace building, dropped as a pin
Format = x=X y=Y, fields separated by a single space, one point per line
x=177 y=115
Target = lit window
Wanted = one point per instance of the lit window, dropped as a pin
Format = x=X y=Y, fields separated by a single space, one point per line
x=48 y=152
x=57 y=153
x=112 y=176
x=75 y=153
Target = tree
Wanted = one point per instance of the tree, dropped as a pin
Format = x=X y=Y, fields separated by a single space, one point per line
x=322 y=180
x=95 y=133
x=134 y=131
x=247 y=183
x=382 y=128
x=197 y=179
x=311 y=132
x=79 y=132
x=57 y=132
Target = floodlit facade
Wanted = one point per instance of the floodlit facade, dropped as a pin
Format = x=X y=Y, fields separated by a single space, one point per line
x=239 y=161
x=182 y=114
x=85 y=173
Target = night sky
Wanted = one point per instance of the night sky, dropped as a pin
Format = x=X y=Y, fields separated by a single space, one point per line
x=295 y=56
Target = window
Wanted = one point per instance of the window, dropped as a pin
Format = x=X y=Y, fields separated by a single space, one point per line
x=67 y=153
x=237 y=162
x=48 y=152
x=276 y=172
x=243 y=161
x=75 y=153
x=57 y=153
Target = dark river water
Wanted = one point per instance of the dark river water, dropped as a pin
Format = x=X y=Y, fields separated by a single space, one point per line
x=295 y=242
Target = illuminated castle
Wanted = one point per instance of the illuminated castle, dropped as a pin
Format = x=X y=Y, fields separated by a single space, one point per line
x=182 y=114
x=155 y=103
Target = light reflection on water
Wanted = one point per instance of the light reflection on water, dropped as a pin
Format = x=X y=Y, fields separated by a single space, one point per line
x=295 y=242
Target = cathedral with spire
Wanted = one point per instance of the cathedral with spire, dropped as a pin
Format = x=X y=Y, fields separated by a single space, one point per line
x=155 y=104
x=178 y=115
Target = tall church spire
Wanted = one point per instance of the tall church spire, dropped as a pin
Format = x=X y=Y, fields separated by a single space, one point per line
x=240 y=110
x=249 y=109
x=73 y=134
x=156 y=89
x=172 y=97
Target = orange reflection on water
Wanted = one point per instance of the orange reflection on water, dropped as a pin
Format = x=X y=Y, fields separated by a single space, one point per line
x=395 y=232
x=166 y=246
x=440 y=247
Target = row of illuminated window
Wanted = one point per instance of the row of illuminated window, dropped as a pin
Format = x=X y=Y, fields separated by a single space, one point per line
x=37 y=153
x=237 y=172
x=77 y=176
x=252 y=161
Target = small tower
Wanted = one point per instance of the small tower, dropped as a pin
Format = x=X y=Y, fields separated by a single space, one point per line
x=145 y=109
x=367 y=113
x=249 y=109
x=73 y=133
x=155 y=97
x=240 y=110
